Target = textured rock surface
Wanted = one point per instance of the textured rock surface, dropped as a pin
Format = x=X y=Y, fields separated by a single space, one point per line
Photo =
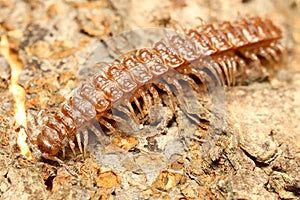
x=256 y=156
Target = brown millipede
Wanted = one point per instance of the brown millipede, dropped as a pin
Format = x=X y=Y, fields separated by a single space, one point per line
x=232 y=47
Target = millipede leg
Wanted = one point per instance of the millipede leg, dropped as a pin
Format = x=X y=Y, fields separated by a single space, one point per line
x=155 y=95
x=224 y=68
x=138 y=95
x=230 y=71
x=208 y=81
x=200 y=75
x=131 y=112
x=146 y=98
x=167 y=89
x=99 y=135
x=194 y=72
x=138 y=105
x=242 y=66
x=254 y=58
x=265 y=53
x=85 y=140
x=97 y=132
x=64 y=152
x=278 y=46
x=157 y=102
x=180 y=95
x=216 y=70
x=234 y=71
x=117 y=119
x=79 y=141
x=106 y=124
x=146 y=95
x=193 y=84
x=72 y=145
x=125 y=110
x=274 y=54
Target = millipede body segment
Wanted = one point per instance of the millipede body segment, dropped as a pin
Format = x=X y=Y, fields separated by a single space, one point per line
x=222 y=53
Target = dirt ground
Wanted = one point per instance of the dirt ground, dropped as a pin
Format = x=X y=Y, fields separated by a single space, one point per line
x=255 y=155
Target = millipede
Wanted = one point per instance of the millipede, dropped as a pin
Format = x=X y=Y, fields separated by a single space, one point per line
x=221 y=54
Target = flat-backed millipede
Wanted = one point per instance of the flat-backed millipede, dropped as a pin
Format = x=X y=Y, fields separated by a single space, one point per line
x=222 y=53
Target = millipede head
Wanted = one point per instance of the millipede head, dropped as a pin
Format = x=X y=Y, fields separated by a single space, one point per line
x=48 y=141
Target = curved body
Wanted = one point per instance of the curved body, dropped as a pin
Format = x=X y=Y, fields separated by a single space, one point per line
x=231 y=46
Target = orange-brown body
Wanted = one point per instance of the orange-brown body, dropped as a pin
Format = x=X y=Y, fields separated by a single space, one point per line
x=230 y=47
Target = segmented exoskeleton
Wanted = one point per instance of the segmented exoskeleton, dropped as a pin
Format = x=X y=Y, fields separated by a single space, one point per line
x=222 y=53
